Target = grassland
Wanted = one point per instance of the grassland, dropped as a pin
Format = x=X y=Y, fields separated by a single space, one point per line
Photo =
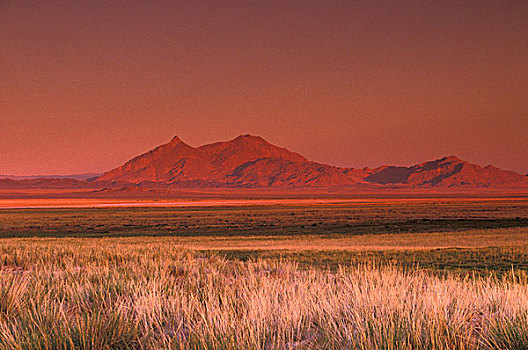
x=111 y=295
x=367 y=275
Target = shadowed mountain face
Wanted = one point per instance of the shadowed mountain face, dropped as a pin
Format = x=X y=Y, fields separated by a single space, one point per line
x=447 y=172
x=285 y=173
x=250 y=161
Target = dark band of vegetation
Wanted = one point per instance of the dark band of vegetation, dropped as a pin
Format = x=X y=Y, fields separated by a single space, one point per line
x=350 y=219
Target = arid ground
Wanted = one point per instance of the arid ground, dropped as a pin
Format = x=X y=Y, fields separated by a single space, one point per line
x=376 y=273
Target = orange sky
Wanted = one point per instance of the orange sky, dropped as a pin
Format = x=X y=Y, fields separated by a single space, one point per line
x=87 y=85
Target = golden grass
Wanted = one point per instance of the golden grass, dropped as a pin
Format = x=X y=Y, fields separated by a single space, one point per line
x=405 y=241
x=130 y=293
x=507 y=237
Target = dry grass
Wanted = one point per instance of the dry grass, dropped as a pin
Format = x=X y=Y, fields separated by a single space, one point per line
x=506 y=237
x=401 y=241
x=111 y=294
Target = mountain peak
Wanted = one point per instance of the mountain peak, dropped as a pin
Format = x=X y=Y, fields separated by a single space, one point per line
x=175 y=140
x=451 y=158
x=249 y=137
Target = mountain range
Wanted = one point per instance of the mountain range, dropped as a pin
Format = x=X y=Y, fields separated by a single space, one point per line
x=251 y=162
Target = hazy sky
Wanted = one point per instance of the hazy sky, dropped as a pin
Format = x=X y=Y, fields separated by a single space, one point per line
x=86 y=85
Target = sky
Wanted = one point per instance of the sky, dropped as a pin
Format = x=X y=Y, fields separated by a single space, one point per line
x=87 y=85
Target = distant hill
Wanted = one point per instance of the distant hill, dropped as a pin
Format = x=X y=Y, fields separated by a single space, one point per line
x=250 y=161
x=45 y=183
x=85 y=176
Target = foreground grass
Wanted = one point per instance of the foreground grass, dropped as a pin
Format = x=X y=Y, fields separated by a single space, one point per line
x=97 y=294
x=484 y=261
